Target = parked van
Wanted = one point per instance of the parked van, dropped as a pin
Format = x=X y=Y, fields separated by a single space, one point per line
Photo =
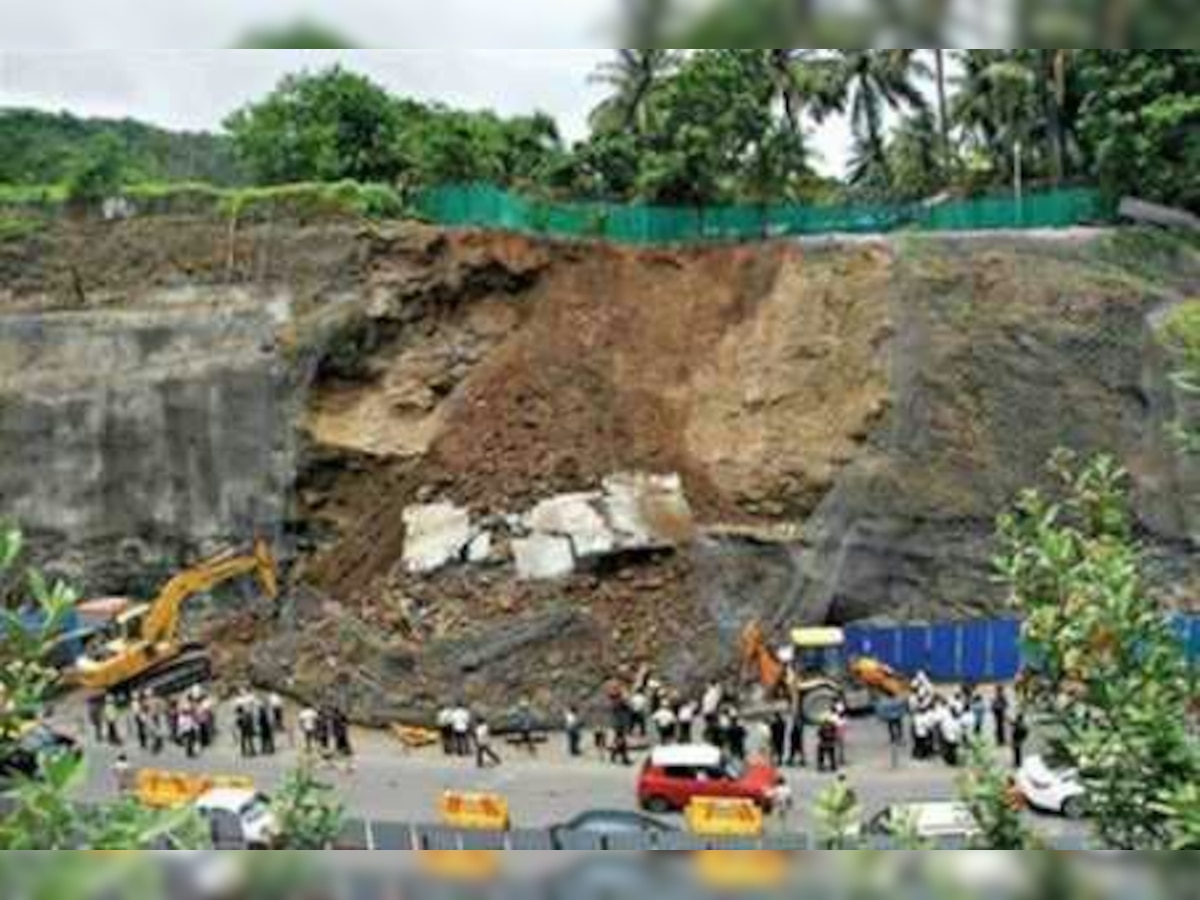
x=675 y=776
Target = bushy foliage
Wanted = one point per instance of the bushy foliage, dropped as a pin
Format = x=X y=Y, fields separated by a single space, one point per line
x=1111 y=687
x=309 y=816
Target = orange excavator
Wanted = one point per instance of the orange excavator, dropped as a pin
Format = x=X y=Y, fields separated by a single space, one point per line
x=146 y=653
x=818 y=676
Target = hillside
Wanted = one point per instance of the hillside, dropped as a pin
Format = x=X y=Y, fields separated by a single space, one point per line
x=429 y=421
x=40 y=148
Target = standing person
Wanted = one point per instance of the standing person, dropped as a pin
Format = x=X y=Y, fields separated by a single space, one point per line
x=140 y=724
x=207 y=721
x=574 y=733
x=1000 y=716
x=484 y=754
x=95 y=714
x=445 y=726
x=278 y=713
x=827 y=741
x=112 y=722
x=978 y=715
x=778 y=739
x=950 y=729
x=187 y=730
x=525 y=726
x=618 y=753
x=245 y=730
x=266 y=729
x=966 y=722
x=308 y=728
x=664 y=724
x=687 y=721
x=891 y=710
x=639 y=707
x=460 y=723
x=797 y=752
x=341 y=735
x=1020 y=735
x=123 y=775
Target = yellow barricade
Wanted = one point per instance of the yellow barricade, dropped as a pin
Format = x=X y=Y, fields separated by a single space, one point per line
x=469 y=812
x=474 y=812
x=720 y=818
x=742 y=869
x=175 y=790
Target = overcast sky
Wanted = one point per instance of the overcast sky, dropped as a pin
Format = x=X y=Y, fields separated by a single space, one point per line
x=99 y=57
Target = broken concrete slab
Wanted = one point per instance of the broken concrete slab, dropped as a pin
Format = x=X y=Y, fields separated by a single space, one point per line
x=544 y=557
x=575 y=516
x=437 y=534
x=479 y=551
x=648 y=512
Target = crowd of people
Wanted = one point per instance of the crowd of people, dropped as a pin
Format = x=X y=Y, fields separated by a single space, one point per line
x=190 y=721
x=944 y=727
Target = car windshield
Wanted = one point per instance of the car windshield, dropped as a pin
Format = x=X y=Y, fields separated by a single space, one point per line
x=735 y=769
x=254 y=810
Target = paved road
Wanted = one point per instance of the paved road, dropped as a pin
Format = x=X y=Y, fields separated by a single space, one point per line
x=389 y=784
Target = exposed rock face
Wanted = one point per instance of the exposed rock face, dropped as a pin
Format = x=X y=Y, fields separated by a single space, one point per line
x=131 y=439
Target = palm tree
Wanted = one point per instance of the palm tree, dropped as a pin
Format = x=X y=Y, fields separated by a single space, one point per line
x=868 y=84
x=997 y=105
x=633 y=77
x=939 y=61
x=788 y=79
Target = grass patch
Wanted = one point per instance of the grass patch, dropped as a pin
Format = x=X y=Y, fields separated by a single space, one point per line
x=16 y=227
x=1181 y=333
x=292 y=202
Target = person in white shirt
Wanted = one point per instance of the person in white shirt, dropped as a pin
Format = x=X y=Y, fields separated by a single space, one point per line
x=639 y=709
x=951 y=731
x=484 y=754
x=307 y=721
x=664 y=724
x=460 y=724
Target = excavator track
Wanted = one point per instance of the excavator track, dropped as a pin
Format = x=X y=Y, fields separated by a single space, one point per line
x=192 y=667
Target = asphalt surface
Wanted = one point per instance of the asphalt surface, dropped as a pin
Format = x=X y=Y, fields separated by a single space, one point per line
x=387 y=783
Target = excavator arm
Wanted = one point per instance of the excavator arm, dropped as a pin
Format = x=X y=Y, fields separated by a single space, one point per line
x=162 y=621
x=758 y=658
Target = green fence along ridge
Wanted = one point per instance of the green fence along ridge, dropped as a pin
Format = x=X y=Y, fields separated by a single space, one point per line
x=486 y=206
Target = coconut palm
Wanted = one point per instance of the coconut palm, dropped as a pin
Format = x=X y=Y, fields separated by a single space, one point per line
x=790 y=81
x=868 y=84
x=633 y=78
x=998 y=106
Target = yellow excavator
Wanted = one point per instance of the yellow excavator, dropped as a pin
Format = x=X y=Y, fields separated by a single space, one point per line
x=818 y=675
x=146 y=653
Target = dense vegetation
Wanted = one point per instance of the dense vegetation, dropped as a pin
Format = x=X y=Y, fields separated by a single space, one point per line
x=695 y=127
x=40 y=148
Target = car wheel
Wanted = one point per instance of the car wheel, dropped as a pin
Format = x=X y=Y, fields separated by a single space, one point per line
x=1075 y=808
x=659 y=806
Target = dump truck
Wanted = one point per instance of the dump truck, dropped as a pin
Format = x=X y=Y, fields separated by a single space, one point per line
x=145 y=653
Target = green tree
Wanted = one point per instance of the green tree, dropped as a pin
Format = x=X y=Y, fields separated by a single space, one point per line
x=839 y=818
x=309 y=816
x=1139 y=122
x=867 y=85
x=985 y=789
x=633 y=79
x=1111 y=686
x=332 y=125
x=303 y=34
x=998 y=109
x=102 y=171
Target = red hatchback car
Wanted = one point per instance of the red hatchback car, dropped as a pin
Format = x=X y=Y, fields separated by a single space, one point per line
x=675 y=776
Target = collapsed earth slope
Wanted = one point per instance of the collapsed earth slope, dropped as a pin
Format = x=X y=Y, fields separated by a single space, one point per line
x=846 y=418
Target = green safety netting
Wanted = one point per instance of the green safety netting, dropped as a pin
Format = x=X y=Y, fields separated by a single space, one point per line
x=486 y=206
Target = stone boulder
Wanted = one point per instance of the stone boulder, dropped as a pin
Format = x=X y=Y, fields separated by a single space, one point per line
x=544 y=557
x=437 y=535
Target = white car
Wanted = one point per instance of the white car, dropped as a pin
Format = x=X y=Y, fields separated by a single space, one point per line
x=238 y=817
x=1052 y=791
